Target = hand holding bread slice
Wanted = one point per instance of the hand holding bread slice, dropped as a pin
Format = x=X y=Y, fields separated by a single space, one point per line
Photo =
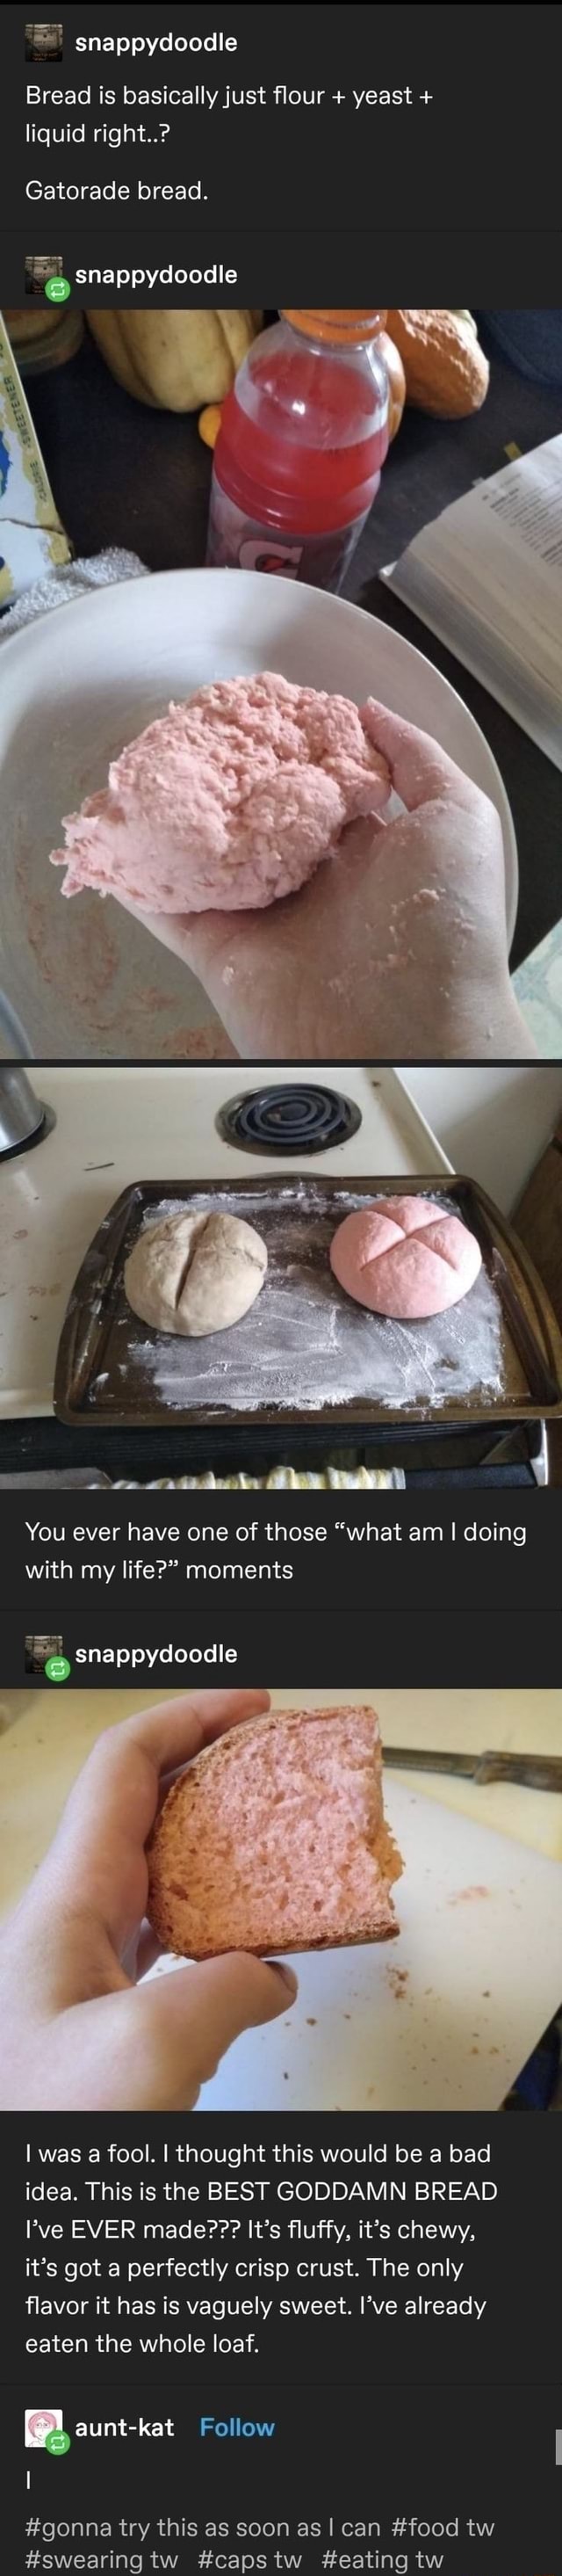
x=274 y=1839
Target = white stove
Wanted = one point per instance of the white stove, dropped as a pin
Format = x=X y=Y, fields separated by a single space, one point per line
x=113 y=1126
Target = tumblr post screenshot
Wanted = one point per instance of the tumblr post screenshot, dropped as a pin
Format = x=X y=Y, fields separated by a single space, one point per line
x=281 y=1292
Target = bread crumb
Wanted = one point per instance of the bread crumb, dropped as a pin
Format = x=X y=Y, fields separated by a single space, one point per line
x=465 y=1895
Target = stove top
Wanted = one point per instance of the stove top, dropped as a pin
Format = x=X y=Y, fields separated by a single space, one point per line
x=288 y=1118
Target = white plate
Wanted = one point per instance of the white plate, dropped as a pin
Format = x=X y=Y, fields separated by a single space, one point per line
x=83 y=681
x=442 y=2019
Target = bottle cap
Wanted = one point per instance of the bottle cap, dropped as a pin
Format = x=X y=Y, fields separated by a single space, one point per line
x=345 y=328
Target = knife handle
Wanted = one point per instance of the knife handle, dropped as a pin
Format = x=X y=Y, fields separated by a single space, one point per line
x=532 y=1770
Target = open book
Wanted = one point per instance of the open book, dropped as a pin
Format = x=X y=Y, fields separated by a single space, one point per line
x=486 y=576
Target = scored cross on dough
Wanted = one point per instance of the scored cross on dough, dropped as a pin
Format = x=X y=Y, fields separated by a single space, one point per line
x=406 y=1258
x=195 y=1274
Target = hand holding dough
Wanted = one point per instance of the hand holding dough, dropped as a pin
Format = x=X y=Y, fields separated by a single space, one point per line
x=227 y=801
x=405 y=1257
x=195 y=1274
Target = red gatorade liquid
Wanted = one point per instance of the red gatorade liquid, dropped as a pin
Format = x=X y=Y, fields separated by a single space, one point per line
x=303 y=438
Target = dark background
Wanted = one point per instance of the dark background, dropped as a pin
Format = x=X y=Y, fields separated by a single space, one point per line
x=483 y=154
x=515 y=2264
x=339 y=1609
x=487 y=1652
x=484 y=2450
x=356 y=1595
x=368 y=1574
x=280 y=265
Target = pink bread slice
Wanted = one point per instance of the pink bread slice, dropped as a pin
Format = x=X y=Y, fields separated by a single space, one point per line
x=275 y=1839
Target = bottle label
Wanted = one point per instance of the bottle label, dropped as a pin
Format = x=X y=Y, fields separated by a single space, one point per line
x=244 y=544
x=256 y=554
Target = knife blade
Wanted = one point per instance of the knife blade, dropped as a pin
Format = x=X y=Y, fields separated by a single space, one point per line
x=529 y=1770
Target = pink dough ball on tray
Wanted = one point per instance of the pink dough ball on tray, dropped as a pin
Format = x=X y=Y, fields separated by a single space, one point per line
x=405 y=1258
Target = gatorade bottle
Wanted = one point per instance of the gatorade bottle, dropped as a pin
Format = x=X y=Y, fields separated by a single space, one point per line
x=303 y=437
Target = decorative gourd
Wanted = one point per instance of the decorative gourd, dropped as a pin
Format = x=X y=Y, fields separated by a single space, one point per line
x=445 y=368
x=175 y=361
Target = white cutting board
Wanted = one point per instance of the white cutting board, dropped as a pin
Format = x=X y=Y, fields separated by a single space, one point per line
x=442 y=2019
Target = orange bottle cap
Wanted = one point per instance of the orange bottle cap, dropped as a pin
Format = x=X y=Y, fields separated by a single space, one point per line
x=343 y=326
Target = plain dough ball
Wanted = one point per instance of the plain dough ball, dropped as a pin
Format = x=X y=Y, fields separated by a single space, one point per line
x=405 y=1257
x=195 y=1274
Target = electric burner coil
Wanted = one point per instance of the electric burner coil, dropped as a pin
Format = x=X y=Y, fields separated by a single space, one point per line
x=288 y=1118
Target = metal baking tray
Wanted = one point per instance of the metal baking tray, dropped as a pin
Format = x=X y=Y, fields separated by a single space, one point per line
x=305 y=1352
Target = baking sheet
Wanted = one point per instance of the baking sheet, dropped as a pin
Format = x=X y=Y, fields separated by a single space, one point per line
x=305 y=1349
x=441 y=2019
x=54 y=1199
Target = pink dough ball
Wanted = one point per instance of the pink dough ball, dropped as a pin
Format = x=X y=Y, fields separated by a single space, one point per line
x=405 y=1257
x=228 y=801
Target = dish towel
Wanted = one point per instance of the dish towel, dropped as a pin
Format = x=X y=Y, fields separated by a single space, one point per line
x=333 y=1480
x=538 y=985
x=69 y=581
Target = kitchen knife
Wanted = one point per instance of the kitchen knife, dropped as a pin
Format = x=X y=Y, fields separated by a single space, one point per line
x=530 y=1770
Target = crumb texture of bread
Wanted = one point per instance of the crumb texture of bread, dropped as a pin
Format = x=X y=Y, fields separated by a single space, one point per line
x=274 y=1839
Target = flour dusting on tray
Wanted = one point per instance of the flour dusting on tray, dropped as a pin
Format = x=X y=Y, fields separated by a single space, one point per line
x=304 y=1347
